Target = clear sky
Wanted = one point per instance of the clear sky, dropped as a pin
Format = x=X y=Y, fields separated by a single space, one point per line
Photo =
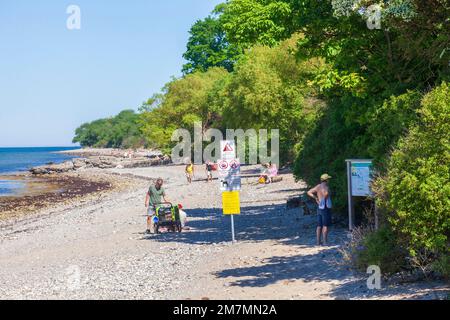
x=52 y=79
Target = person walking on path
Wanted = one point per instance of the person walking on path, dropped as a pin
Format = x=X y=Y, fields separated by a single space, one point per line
x=152 y=199
x=321 y=194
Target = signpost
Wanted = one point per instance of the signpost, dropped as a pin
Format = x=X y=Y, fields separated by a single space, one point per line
x=359 y=178
x=229 y=169
x=229 y=175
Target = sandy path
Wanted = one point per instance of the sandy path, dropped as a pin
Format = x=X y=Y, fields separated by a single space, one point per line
x=97 y=250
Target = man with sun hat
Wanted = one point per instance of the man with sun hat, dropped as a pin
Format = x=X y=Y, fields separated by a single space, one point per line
x=321 y=193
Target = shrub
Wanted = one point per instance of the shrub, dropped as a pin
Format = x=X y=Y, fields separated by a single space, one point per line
x=442 y=266
x=415 y=192
x=381 y=248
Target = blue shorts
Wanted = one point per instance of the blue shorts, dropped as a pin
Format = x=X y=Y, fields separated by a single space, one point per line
x=323 y=217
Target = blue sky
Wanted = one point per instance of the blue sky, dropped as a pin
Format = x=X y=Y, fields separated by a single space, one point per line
x=53 y=79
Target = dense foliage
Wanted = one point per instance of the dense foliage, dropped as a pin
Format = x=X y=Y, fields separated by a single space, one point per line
x=416 y=188
x=193 y=98
x=208 y=47
x=372 y=82
x=268 y=90
x=121 y=131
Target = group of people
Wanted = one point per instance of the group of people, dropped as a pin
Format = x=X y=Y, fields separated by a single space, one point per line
x=320 y=193
x=190 y=174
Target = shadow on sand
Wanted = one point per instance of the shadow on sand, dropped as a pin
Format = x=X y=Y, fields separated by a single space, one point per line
x=255 y=223
x=275 y=222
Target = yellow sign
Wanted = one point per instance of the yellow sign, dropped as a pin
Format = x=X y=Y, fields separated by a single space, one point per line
x=231 y=203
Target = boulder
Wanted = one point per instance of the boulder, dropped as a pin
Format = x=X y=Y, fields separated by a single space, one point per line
x=79 y=163
x=39 y=170
x=53 y=168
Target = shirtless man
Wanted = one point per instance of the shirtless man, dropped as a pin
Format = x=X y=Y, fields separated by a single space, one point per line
x=321 y=193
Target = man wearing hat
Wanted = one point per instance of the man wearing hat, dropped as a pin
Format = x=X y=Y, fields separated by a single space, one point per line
x=321 y=193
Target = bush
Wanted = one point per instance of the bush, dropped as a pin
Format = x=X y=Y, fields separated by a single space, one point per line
x=442 y=266
x=381 y=248
x=415 y=192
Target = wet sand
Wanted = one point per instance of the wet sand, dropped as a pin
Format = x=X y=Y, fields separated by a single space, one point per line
x=42 y=191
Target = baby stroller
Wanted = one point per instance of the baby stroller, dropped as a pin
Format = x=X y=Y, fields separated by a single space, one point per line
x=168 y=216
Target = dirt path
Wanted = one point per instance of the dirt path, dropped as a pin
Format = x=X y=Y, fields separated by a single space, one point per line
x=97 y=250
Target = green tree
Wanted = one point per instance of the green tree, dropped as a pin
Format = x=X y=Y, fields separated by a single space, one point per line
x=268 y=90
x=121 y=131
x=208 y=47
x=250 y=22
x=193 y=98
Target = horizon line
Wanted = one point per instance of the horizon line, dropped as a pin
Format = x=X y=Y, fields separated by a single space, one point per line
x=73 y=146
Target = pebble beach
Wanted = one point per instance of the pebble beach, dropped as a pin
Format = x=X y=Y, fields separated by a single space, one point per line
x=93 y=245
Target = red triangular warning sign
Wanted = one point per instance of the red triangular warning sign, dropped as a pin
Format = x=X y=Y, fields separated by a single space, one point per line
x=228 y=147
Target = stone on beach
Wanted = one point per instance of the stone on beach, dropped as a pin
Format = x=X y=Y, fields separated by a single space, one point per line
x=105 y=159
x=53 y=168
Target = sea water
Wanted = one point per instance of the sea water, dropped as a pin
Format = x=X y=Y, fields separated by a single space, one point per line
x=14 y=160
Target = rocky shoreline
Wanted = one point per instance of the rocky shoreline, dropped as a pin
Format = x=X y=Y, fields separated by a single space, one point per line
x=104 y=159
x=59 y=189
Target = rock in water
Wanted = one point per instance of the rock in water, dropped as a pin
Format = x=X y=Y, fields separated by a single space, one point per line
x=53 y=168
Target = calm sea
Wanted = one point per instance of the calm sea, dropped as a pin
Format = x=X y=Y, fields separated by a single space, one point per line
x=13 y=160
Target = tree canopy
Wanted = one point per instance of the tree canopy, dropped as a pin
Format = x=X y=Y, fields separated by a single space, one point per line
x=121 y=131
x=208 y=47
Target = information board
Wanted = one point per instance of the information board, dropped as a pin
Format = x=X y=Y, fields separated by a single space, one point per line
x=361 y=178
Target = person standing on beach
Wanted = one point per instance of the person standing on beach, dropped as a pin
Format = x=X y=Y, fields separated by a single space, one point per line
x=189 y=171
x=152 y=199
x=321 y=193
x=209 y=169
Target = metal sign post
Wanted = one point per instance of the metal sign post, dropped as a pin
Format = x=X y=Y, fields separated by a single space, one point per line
x=231 y=206
x=351 y=211
x=359 y=178
x=230 y=181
